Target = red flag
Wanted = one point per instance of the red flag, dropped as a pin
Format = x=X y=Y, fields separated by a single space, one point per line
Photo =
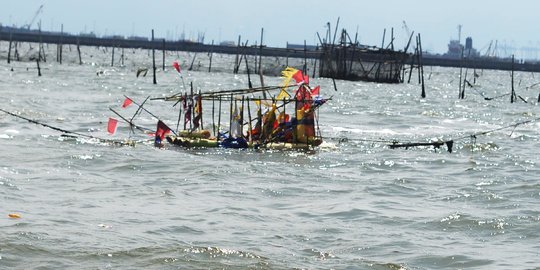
x=315 y=91
x=177 y=66
x=303 y=94
x=298 y=77
x=111 y=126
x=127 y=102
x=161 y=130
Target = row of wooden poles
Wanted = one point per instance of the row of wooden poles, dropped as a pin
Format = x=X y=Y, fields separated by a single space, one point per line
x=241 y=55
x=463 y=82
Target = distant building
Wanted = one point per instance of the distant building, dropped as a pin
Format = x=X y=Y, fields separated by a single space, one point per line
x=228 y=43
x=139 y=38
x=301 y=47
x=456 y=49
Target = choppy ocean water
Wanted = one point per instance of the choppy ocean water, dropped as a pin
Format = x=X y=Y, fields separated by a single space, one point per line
x=353 y=203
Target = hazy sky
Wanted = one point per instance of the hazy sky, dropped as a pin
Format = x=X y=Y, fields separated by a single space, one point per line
x=514 y=24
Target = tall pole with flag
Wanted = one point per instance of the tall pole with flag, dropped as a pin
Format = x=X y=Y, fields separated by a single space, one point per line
x=179 y=71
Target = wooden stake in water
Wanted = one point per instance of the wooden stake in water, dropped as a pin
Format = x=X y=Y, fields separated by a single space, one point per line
x=17 y=51
x=38 y=68
x=79 y=51
x=211 y=53
x=461 y=94
x=112 y=58
x=250 y=85
x=163 y=50
x=60 y=44
x=153 y=57
x=9 y=50
x=41 y=50
x=237 y=60
x=421 y=63
x=513 y=94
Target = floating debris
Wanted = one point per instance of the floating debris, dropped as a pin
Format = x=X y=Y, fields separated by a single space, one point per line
x=13 y=215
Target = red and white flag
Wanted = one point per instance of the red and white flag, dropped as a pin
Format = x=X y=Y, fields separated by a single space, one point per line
x=315 y=91
x=300 y=78
x=111 y=126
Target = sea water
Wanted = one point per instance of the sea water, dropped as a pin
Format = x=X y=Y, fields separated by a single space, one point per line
x=352 y=203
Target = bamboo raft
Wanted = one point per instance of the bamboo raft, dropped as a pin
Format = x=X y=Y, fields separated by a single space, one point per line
x=272 y=117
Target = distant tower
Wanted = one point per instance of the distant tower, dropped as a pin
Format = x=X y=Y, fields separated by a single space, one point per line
x=468 y=43
x=459 y=32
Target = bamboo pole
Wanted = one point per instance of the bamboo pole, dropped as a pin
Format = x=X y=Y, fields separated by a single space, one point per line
x=163 y=51
x=153 y=58
x=231 y=116
x=249 y=122
x=179 y=116
x=9 y=49
x=192 y=61
x=314 y=67
x=219 y=118
x=418 y=59
x=250 y=85
x=190 y=107
x=186 y=109
x=242 y=118
x=256 y=66
x=237 y=60
x=412 y=64
x=421 y=63
x=513 y=94
x=211 y=53
x=213 y=117
x=17 y=58
x=383 y=37
x=112 y=58
x=260 y=60
x=392 y=39
x=41 y=49
x=38 y=68
x=200 y=111
x=461 y=74
x=260 y=55
x=304 y=69
x=287 y=58
x=60 y=43
x=79 y=51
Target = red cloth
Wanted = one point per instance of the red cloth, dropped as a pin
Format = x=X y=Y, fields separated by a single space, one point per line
x=177 y=66
x=162 y=130
x=111 y=126
x=127 y=102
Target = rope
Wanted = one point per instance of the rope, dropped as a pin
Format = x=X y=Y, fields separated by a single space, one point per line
x=67 y=131
x=449 y=143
